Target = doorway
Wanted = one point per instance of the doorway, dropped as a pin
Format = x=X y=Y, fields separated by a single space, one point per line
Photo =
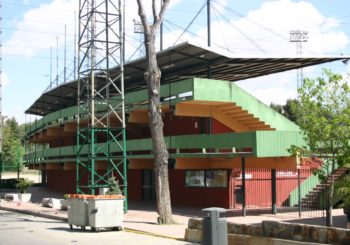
x=148 y=188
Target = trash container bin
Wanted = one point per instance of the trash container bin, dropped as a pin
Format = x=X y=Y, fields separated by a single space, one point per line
x=106 y=211
x=78 y=211
x=214 y=228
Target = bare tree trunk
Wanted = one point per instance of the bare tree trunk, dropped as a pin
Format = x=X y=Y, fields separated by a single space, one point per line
x=329 y=212
x=152 y=78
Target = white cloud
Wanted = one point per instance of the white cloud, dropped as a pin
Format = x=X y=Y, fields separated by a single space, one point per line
x=265 y=31
x=40 y=27
x=4 y=79
x=17 y=112
x=219 y=5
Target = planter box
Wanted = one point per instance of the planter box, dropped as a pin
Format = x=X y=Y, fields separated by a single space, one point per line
x=24 y=197
x=64 y=204
x=11 y=197
x=51 y=203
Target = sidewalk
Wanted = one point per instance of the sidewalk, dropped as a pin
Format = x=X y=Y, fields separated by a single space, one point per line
x=142 y=216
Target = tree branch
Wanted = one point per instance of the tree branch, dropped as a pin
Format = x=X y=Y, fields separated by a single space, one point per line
x=155 y=16
x=159 y=20
x=143 y=16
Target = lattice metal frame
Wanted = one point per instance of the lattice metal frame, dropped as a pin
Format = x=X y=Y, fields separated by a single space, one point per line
x=101 y=109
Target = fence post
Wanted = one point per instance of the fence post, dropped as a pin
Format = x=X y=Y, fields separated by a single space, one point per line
x=299 y=194
x=273 y=190
x=244 y=212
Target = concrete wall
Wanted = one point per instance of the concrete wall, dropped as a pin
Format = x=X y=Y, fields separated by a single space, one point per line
x=273 y=231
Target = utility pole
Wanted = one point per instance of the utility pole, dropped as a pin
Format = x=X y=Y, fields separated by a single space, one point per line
x=298 y=37
x=208 y=23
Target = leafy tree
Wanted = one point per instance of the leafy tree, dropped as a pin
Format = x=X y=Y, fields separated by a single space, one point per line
x=152 y=79
x=12 y=145
x=287 y=109
x=342 y=188
x=323 y=115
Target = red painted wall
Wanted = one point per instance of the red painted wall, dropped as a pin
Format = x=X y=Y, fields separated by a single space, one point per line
x=258 y=187
x=195 y=196
x=217 y=127
x=135 y=184
x=61 y=180
x=178 y=125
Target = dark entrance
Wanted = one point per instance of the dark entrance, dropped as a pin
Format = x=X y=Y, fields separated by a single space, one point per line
x=148 y=188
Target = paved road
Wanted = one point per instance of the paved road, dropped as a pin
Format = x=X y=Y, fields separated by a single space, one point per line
x=20 y=229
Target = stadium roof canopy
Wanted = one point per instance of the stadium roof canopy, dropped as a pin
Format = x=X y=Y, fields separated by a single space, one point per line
x=180 y=62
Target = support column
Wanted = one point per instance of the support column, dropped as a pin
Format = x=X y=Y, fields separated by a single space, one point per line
x=273 y=191
x=244 y=212
x=299 y=194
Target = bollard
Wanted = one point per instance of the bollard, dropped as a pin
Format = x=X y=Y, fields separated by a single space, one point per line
x=214 y=228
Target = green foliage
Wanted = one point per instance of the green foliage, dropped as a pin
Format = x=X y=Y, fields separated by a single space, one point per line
x=13 y=151
x=342 y=187
x=23 y=184
x=287 y=110
x=323 y=115
x=114 y=188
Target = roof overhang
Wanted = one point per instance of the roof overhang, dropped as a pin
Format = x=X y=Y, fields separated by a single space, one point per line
x=180 y=62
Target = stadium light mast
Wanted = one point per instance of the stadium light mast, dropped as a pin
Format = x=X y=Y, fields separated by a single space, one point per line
x=299 y=37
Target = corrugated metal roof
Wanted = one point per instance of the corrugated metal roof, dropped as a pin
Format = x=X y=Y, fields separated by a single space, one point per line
x=179 y=62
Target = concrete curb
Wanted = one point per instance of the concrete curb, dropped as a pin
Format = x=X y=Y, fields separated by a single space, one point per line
x=54 y=217
x=152 y=234
x=34 y=213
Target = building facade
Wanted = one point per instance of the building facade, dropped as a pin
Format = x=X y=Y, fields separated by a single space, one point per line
x=213 y=130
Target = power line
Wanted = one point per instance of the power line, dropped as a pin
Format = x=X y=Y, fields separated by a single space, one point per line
x=194 y=18
x=258 y=24
x=243 y=33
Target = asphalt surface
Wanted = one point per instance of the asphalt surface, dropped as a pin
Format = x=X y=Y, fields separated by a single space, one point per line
x=17 y=229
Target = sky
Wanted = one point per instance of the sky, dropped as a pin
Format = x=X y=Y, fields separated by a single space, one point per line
x=36 y=35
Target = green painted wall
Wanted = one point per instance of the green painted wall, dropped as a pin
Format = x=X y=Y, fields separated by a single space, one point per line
x=263 y=144
x=276 y=143
x=305 y=188
x=216 y=90
x=202 y=89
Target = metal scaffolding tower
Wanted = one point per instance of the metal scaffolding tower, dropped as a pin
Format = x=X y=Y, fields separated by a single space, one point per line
x=101 y=109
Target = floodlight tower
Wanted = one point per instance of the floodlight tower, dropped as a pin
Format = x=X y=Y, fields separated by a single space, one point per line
x=101 y=151
x=298 y=37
